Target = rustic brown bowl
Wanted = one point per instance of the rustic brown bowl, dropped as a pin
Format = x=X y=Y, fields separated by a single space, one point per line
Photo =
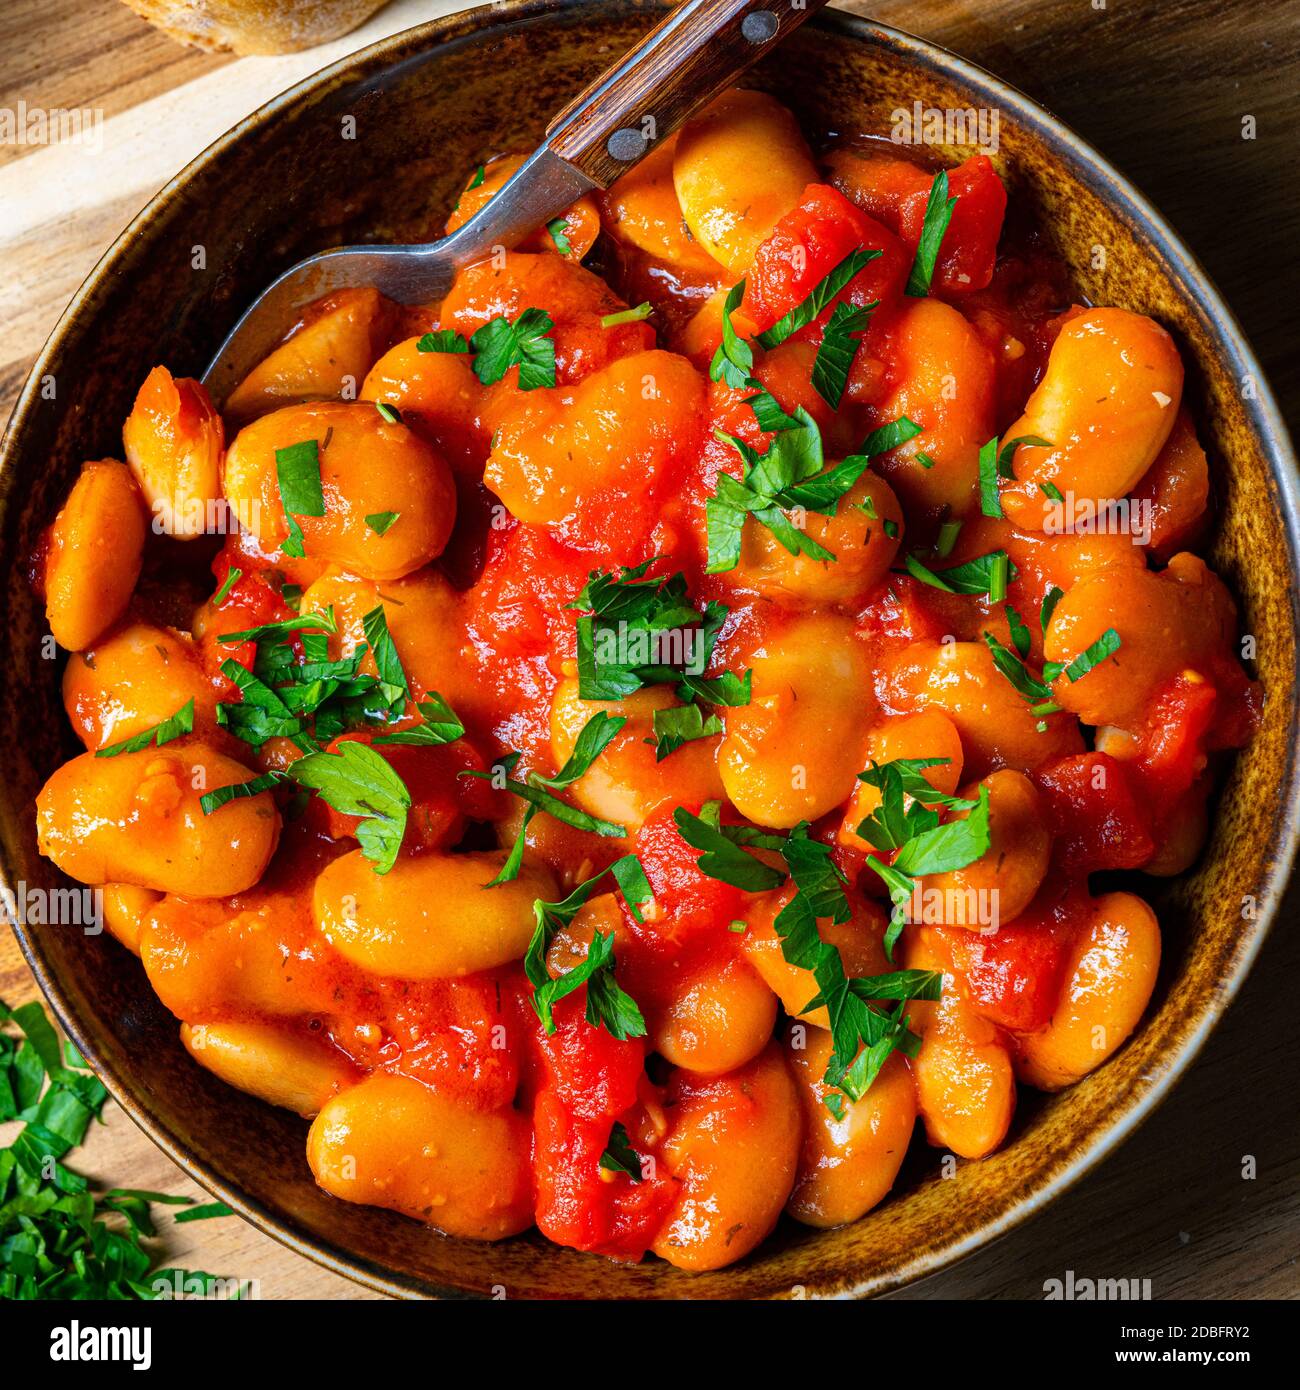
x=429 y=104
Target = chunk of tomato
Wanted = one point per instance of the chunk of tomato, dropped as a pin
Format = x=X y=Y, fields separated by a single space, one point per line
x=806 y=245
x=970 y=245
x=1013 y=976
x=686 y=901
x=1096 y=817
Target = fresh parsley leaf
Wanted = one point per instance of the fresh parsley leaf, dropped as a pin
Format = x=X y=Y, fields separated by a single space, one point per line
x=638 y=314
x=1007 y=452
x=890 y=436
x=389 y=665
x=233 y=576
x=593 y=738
x=620 y=1156
x=976 y=576
x=442 y=340
x=733 y=362
x=633 y=884
x=938 y=213
x=441 y=724
x=379 y=522
x=1028 y=685
x=1105 y=645
x=838 y=347
x=1020 y=638
x=638 y=631
x=722 y=858
x=787 y=477
x=1053 y=597
x=54 y=1241
x=500 y=345
x=558 y=228
x=284 y=627
x=679 y=724
x=357 y=781
x=995 y=462
x=607 y=1004
x=297 y=471
x=204 y=1212
x=179 y=724
x=237 y=790
x=817 y=298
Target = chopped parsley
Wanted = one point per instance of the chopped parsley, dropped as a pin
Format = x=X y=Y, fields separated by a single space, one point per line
x=179 y=724
x=500 y=345
x=1105 y=645
x=995 y=462
x=890 y=436
x=379 y=522
x=608 y=1005
x=638 y=314
x=817 y=298
x=620 y=1156
x=839 y=345
x=297 y=471
x=1053 y=597
x=439 y=724
x=558 y=228
x=637 y=631
x=233 y=576
x=59 y=1240
x=681 y=724
x=906 y=824
x=938 y=213
x=539 y=791
x=1020 y=636
x=978 y=576
x=442 y=340
x=313 y=700
x=357 y=781
x=788 y=477
x=862 y=1036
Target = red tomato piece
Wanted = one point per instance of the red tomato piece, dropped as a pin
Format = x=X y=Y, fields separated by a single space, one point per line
x=1096 y=817
x=454 y=1035
x=685 y=900
x=253 y=599
x=1173 y=750
x=1014 y=975
x=589 y=1080
x=518 y=608
x=970 y=245
x=807 y=244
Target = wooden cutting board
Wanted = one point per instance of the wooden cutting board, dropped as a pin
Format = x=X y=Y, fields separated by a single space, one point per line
x=1167 y=92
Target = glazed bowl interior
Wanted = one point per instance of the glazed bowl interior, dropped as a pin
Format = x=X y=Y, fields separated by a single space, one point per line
x=427 y=106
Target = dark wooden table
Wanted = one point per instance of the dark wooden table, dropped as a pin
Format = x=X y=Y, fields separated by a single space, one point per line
x=1164 y=88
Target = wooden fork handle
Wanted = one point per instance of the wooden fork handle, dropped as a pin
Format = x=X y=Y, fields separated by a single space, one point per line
x=679 y=67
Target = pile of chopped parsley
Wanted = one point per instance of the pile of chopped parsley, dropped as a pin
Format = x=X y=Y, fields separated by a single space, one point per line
x=58 y=1238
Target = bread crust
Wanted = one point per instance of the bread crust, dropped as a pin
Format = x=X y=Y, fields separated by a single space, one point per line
x=251 y=27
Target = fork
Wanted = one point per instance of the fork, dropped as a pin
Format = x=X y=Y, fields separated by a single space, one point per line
x=697 y=51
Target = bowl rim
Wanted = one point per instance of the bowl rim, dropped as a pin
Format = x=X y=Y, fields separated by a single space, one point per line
x=1181 y=266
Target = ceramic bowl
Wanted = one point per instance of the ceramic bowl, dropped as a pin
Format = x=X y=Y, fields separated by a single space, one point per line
x=429 y=104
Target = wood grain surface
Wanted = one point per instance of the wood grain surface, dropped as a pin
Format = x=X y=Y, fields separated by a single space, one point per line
x=1193 y=99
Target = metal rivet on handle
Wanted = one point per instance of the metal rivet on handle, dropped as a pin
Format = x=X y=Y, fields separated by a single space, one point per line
x=759 y=26
x=626 y=144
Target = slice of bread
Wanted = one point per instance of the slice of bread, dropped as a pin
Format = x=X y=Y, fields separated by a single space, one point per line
x=255 y=26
